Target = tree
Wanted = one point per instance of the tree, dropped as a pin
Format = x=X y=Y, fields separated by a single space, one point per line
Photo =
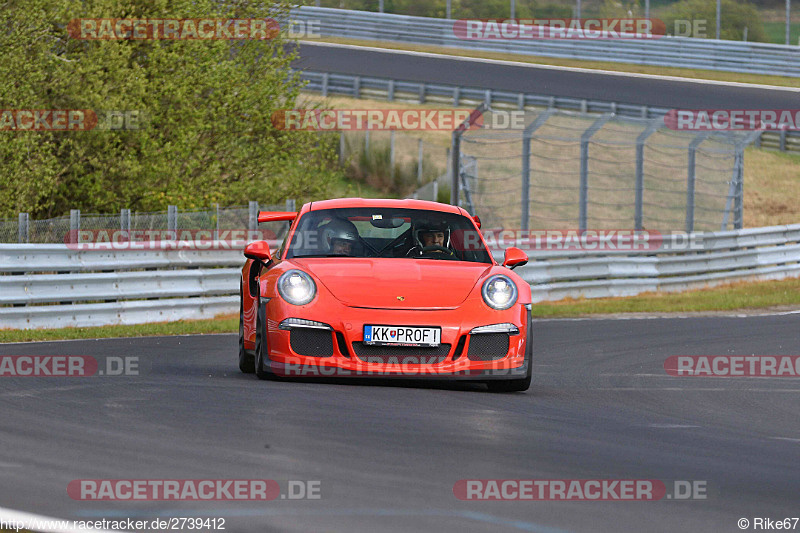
x=205 y=133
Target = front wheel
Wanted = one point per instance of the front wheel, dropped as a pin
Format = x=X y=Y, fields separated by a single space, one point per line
x=512 y=385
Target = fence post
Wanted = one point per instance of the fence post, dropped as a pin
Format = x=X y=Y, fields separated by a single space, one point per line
x=391 y=153
x=420 y=157
x=455 y=153
x=23 y=234
x=455 y=165
x=638 y=217
x=216 y=231
x=325 y=77
x=783 y=140
x=341 y=148
x=125 y=219
x=172 y=218
x=584 y=190
x=526 y=167
x=357 y=87
x=525 y=207
x=738 y=210
x=690 y=180
x=456 y=96
x=74 y=225
x=366 y=140
x=252 y=216
x=291 y=205
x=421 y=93
x=390 y=91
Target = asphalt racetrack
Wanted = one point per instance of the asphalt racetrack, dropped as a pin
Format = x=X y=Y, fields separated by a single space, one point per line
x=387 y=455
x=547 y=81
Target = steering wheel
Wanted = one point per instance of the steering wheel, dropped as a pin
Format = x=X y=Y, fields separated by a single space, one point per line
x=439 y=252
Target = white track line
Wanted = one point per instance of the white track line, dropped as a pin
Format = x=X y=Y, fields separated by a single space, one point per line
x=555 y=67
x=29 y=521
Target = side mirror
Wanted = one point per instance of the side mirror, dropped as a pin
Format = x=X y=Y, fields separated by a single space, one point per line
x=514 y=257
x=477 y=220
x=258 y=251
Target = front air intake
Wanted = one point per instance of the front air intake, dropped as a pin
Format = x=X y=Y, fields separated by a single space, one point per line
x=487 y=346
x=311 y=342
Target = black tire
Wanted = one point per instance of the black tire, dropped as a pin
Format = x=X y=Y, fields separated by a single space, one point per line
x=247 y=362
x=512 y=385
x=262 y=351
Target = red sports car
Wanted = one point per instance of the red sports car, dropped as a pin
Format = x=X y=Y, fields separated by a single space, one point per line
x=385 y=288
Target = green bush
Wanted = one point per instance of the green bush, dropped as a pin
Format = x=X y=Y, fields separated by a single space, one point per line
x=373 y=167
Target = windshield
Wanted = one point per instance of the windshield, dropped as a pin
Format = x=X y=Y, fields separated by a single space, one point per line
x=414 y=234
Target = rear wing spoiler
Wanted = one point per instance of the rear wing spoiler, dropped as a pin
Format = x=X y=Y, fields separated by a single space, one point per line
x=276 y=216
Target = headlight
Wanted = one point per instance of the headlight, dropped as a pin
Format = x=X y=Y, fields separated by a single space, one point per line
x=296 y=287
x=499 y=292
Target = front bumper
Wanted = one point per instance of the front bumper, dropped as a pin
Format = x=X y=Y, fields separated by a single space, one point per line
x=340 y=352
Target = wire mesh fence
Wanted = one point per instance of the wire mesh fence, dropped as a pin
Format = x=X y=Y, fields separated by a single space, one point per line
x=397 y=163
x=60 y=229
x=582 y=171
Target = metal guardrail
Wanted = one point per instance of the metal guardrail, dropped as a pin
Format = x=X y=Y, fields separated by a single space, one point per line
x=52 y=285
x=732 y=56
x=714 y=258
x=37 y=298
x=327 y=83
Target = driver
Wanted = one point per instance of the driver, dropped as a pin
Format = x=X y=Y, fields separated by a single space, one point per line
x=340 y=236
x=431 y=238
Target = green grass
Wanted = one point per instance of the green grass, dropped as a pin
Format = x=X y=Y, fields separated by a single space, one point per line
x=729 y=297
x=776 y=31
x=224 y=324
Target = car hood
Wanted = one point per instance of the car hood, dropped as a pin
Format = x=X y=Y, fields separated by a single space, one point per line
x=396 y=283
